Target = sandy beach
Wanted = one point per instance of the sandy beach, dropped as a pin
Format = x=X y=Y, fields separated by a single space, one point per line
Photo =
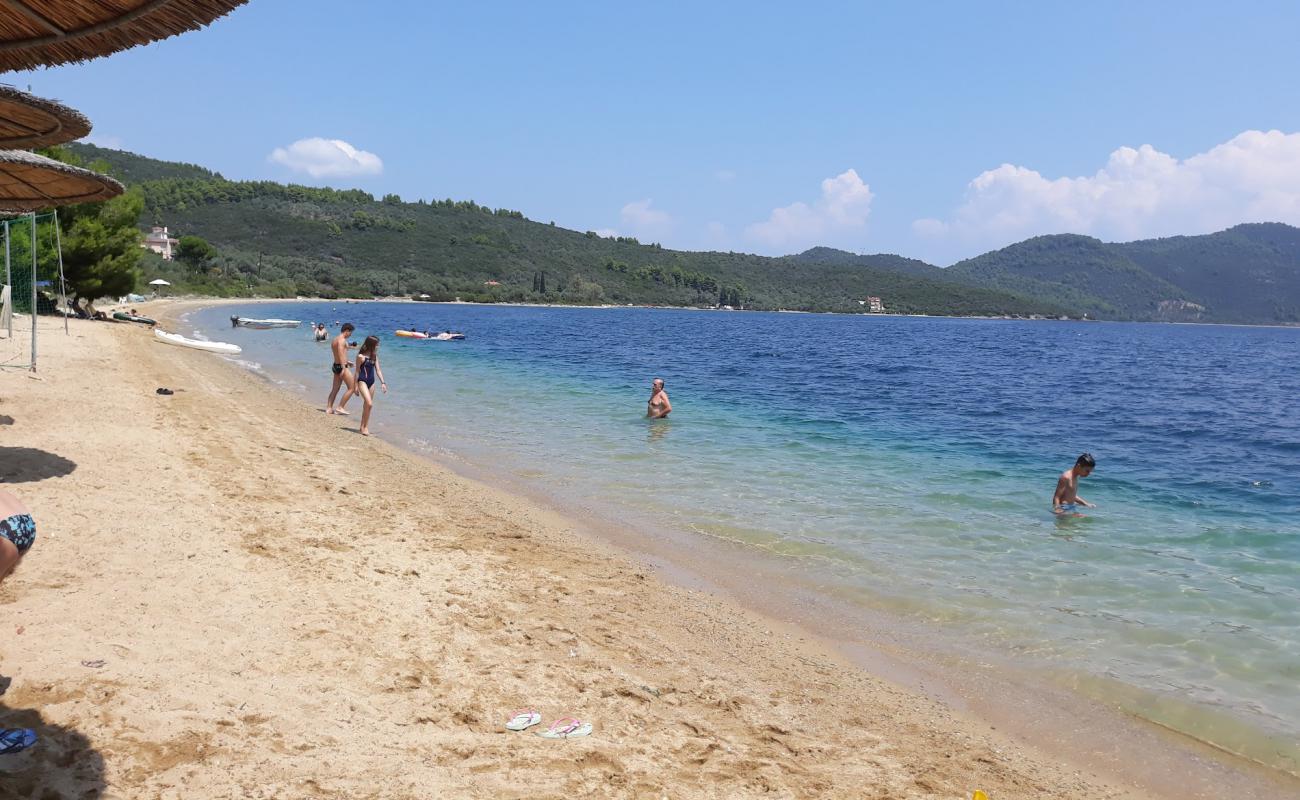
x=234 y=595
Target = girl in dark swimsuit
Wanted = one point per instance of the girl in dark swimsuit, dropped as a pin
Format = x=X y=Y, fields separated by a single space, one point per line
x=367 y=371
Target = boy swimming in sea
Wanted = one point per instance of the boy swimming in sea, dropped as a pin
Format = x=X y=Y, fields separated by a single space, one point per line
x=1067 y=496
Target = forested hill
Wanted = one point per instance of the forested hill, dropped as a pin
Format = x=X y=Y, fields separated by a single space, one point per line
x=283 y=240
x=1249 y=273
x=278 y=240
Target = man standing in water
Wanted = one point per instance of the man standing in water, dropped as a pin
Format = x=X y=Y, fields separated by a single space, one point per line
x=1067 y=488
x=342 y=368
x=658 y=407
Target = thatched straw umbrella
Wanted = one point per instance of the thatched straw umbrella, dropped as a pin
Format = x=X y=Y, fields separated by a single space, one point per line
x=35 y=33
x=27 y=121
x=29 y=182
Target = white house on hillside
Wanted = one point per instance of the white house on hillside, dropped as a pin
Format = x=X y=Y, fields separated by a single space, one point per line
x=161 y=242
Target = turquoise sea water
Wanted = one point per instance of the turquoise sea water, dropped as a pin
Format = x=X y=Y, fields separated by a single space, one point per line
x=908 y=463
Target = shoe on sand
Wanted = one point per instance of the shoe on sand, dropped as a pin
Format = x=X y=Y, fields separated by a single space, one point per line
x=523 y=719
x=16 y=740
x=566 y=728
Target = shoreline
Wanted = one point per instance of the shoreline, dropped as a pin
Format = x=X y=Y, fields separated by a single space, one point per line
x=281 y=617
x=214 y=301
x=990 y=686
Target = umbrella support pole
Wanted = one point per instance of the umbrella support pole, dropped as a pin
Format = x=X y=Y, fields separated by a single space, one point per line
x=63 y=285
x=9 y=278
x=33 y=291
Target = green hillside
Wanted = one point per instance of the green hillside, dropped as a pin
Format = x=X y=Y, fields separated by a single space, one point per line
x=1079 y=271
x=1249 y=273
x=282 y=240
x=279 y=240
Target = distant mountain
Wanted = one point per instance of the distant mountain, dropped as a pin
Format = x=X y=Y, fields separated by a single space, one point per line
x=1078 y=271
x=131 y=168
x=1248 y=273
x=907 y=266
x=279 y=240
x=284 y=240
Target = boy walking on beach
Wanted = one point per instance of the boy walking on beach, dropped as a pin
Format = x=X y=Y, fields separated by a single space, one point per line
x=1067 y=496
x=342 y=368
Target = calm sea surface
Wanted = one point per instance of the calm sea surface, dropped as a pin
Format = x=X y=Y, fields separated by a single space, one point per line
x=910 y=463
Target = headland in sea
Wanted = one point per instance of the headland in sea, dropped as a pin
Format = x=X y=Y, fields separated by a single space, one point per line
x=286 y=609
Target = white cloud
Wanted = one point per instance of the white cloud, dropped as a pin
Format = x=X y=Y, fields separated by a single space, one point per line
x=715 y=235
x=1139 y=193
x=642 y=220
x=844 y=206
x=327 y=158
x=101 y=140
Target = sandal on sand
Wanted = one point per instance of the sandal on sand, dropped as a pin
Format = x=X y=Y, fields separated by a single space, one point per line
x=566 y=728
x=16 y=740
x=523 y=719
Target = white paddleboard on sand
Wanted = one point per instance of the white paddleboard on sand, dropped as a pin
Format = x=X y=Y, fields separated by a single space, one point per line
x=195 y=344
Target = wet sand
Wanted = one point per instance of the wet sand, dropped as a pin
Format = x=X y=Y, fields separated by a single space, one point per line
x=286 y=609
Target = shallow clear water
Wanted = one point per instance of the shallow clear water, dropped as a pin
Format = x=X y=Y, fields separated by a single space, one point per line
x=910 y=461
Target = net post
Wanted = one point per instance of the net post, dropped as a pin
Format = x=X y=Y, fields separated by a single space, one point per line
x=63 y=286
x=33 y=291
x=9 y=279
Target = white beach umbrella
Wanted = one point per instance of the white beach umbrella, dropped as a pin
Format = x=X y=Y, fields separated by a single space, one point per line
x=159 y=282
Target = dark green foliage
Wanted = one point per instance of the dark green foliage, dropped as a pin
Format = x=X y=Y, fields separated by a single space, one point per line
x=195 y=251
x=1249 y=273
x=100 y=241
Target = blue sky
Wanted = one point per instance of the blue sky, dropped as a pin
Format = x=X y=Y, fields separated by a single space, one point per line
x=876 y=127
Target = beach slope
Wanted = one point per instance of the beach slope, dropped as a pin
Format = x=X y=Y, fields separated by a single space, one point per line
x=234 y=595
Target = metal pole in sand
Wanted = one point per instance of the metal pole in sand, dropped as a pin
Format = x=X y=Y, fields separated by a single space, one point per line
x=33 y=291
x=63 y=285
x=9 y=279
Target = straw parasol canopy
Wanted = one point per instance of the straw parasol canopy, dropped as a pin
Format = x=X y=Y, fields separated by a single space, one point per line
x=35 y=33
x=27 y=121
x=29 y=182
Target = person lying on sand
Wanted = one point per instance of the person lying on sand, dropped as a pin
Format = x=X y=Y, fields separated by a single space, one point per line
x=341 y=368
x=659 y=406
x=1066 y=497
x=17 y=532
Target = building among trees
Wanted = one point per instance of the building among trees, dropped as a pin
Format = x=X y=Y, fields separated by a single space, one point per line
x=161 y=242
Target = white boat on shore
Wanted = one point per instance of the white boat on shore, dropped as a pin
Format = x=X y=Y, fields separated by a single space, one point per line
x=176 y=339
x=262 y=324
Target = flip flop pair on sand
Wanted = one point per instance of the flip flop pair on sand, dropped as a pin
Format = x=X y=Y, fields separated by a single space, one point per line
x=563 y=728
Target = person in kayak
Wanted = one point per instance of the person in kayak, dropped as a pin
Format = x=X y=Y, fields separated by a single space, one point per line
x=659 y=406
x=367 y=372
x=341 y=368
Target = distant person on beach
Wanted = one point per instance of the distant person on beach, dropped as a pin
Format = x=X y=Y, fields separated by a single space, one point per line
x=659 y=406
x=1067 y=498
x=341 y=368
x=17 y=532
x=367 y=371
x=321 y=333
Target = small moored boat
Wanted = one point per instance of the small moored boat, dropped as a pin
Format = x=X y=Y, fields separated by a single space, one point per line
x=196 y=344
x=411 y=334
x=125 y=317
x=262 y=324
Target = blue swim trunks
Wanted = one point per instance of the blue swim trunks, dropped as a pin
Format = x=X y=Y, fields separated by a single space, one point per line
x=19 y=529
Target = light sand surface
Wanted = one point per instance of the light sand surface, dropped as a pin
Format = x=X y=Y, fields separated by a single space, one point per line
x=285 y=609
